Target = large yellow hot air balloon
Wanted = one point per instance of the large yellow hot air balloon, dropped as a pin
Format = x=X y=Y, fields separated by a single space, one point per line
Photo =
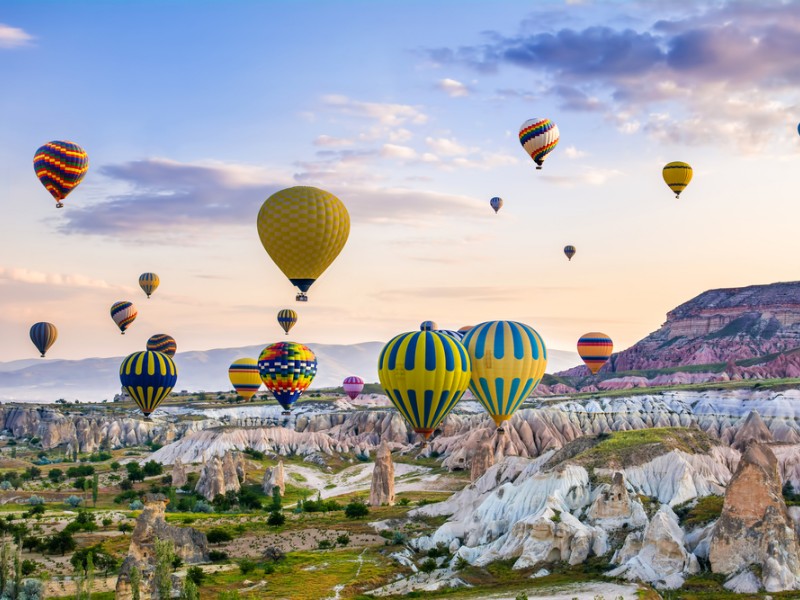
x=677 y=176
x=508 y=362
x=245 y=377
x=424 y=373
x=303 y=229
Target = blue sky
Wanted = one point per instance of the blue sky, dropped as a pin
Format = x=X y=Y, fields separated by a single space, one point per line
x=194 y=112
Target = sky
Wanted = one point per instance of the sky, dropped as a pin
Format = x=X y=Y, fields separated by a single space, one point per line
x=194 y=112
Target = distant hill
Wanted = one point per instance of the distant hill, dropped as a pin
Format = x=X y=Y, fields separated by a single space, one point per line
x=96 y=379
x=750 y=331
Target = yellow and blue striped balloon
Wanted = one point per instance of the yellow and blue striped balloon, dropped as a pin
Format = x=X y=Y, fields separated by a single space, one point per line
x=424 y=373
x=245 y=377
x=428 y=326
x=148 y=282
x=43 y=335
x=508 y=362
x=148 y=377
x=287 y=319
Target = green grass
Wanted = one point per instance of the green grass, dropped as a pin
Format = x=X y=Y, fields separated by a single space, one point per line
x=704 y=510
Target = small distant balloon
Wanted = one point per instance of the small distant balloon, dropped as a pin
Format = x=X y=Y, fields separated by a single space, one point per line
x=148 y=377
x=148 y=282
x=245 y=377
x=60 y=166
x=595 y=349
x=539 y=137
x=496 y=203
x=161 y=342
x=677 y=176
x=43 y=335
x=123 y=313
x=353 y=386
x=286 y=319
x=569 y=251
x=428 y=326
x=465 y=328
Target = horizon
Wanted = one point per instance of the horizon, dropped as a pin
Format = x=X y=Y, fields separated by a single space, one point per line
x=188 y=134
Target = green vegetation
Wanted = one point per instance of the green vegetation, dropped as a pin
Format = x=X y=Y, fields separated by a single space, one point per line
x=700 y=511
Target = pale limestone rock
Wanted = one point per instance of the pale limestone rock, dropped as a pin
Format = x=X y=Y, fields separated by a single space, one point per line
x=482 y=459
x=753 y=430
x=755 y=527
x=274 y=478
x=179 y=477
x=382 y=488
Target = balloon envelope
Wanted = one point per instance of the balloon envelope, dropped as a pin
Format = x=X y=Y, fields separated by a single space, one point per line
x=496 y=203
x=43 y=335
x=161 y=342
x=353 y=386
x=569 y=251
x=123 y=313
x=60 y=166
x=245 y=377
x=287 y=369
x=595 y=348
x=677 y=176
x=303 y=229
x=286 y=319
x=424 y=373
x=539 y=137
x=428 y=326
x=148 y=282
x=148 y=377
x=508 y=362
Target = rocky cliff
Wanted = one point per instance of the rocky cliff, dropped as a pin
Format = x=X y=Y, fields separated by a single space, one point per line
x=720 y=326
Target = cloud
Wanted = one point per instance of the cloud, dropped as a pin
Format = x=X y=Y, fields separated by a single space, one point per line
x=395 y=151
x=195 y=200
x=588 y=176
x=728 y=71
x=332 y=142
x=23 y=275
x=13 y=37
x=573 y=152
x=469 y=293
x=447 y=147
x=385 y=113
x=453 y=88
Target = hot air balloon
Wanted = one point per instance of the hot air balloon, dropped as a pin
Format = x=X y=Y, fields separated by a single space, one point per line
x=508 y=362
x=428 y=326
x=424 y=373
x=245 y=377
x=148 y=377
x=123 y=313
x=677 y=176
x=352 y=386
x=286 y=319
x=539 y=137
x=569 y=251
x=43 y=335
x=60 y=166
x=287 y=369
x=303 y=229
x=161 y=342
x=465 y=328
x=496 y=203
x=148 y=282
x=595 y=348
x=456 y=335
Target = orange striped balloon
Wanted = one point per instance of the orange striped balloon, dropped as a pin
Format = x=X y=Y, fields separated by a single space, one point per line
x=595 y=349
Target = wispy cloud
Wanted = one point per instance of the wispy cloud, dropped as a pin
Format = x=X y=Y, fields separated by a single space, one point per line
x=730 y=70
x=453 y=88
x=13 y=37
x=27 y=276
x=385 y=113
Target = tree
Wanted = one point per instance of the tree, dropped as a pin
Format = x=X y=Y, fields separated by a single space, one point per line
x=276 y=499
x=177 y=562
x=152 y=468
x=196 y=575
x=95 y=490
x=162 y=579
x=55 y=475
x=356 y=509
x=135 y=472
x=136 y=580
x=189 y=591
x=73 y=501
x=276 y=518
x=218 y=535
x=114 y=466
x=61 y=543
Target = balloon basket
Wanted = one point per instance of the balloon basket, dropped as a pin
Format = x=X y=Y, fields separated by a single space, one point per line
x=301 y=297
x=500 y=431
x=59 y=205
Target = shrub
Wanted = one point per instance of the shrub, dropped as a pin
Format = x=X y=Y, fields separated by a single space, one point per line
x=136 y=505
x=276 y=518
x=28 y=567
x=152 y=468
x=403 y=502
x=428 y=565
x=274 y=554
x=325 y=545
x=218 y=535
x=343 y=539
x=217 y=555
x=399 y=538
x=73 y=501
x=124 y=527
x=55 y=475
x=356 y=509
x=246 y=565
x=201 y=506
x=107 y=522
x=196 y=574
x=35 y=500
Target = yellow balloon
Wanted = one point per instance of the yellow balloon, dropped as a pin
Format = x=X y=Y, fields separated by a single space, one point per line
x=245 y=377
x=303 y=229
x=677 y=176
x=508 y=362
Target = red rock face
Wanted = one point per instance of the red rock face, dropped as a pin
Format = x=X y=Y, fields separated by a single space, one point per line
x=722 y=326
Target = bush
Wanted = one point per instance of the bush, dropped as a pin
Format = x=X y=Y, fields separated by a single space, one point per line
x=196 y=574
x=136 y=505
x=217 y=555
x=152 y=468
x=124 y=527
x=276 y=518
x=55 y=475
x=127 y=496
x=274 y=554
x=343 y=539
x=399 y=538
x=356 y=509
x=114 y=466
x=28 y=567
x=80 y=471
x=439 y=550
x=73 y=501
x=428 y=565
x=201 y=506
x=403 y=502
x=107 y=522
x=325 y=545
x=218 y=535
x=246 y=565
x=61 y=543
x=35 y=500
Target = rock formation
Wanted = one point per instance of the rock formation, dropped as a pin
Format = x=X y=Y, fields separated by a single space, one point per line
x=613 y=508
x=382 y=490
x=189 y=544
x=753 y=430
x=274 y=478
x=482 y=459
x=179 y=477
x=755 y=528
x=221 y=475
